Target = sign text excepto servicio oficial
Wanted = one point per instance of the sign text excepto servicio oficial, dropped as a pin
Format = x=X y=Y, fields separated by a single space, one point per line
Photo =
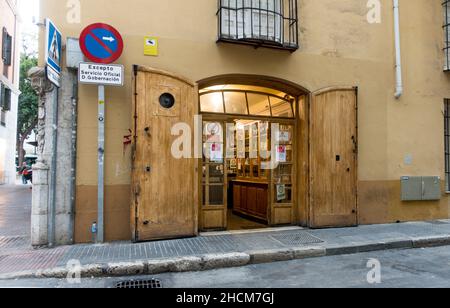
x=101 y=74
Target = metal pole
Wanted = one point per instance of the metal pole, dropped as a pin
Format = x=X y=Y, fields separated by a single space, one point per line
x=52 y=203
x=73 y=170
x=101 y=164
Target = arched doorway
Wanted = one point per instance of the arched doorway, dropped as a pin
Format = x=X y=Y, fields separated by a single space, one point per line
x=253 y=141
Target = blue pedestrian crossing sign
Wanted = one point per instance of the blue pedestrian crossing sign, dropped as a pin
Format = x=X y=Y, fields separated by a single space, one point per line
x=53 y=47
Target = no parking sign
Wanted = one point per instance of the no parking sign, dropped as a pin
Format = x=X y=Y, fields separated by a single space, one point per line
x=101 y=43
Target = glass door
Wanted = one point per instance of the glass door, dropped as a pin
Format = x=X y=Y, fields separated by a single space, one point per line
x=214 y=178
x=283 y=177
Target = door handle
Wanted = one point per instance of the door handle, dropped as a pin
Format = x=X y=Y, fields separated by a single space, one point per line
x=148 y=169
x=147 y=131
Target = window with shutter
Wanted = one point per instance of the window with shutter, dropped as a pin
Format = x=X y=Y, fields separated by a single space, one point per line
x=5 y=98
x=6 y=47
x=2 y=118
x=2 y=111
x=1 y=95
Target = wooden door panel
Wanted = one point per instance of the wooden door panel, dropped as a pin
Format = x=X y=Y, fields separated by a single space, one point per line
x=252 y=201
x=237 y=196
x=164 y=187
x=333 y=159
x=244 y=201
x=262 y=202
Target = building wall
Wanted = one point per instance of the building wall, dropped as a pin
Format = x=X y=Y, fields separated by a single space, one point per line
x=337 y=47
x=9 y=77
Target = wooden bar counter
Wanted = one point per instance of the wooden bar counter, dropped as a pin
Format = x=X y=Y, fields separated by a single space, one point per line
x=250 y=198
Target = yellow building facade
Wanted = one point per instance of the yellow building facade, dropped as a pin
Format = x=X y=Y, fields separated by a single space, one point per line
x=343 y=46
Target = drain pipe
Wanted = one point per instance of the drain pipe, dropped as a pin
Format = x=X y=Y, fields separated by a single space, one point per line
x=398 y=54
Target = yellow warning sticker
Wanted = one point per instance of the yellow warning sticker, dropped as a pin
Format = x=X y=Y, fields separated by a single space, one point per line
x=150 y=46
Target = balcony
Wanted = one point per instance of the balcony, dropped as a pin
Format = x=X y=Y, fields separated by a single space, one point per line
x=446 y=6
x=260 y=23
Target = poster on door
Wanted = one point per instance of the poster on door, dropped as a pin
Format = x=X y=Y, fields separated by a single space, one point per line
x=284 y=136
x=281 y=192
x=216 y=152
x=281 y=154
x=240 y=136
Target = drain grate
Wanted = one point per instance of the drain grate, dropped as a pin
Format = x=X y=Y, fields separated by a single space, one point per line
x=298 y=238
x=139 y=284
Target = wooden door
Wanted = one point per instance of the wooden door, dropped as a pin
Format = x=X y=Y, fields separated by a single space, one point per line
x=165 y=187
x=333 y=157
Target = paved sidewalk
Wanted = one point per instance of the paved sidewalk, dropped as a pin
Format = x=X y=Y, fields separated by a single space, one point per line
x=216 y=250
x=15 y=210
x=211 y=250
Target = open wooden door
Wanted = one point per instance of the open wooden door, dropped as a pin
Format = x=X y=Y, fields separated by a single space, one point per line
x=333 y=158
x=165 y=188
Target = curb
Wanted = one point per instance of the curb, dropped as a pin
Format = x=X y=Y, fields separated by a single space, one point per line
x=362 y=247
x=226 y=260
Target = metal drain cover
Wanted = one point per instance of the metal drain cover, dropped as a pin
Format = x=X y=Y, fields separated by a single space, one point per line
x=139 y=284
x=298 y=238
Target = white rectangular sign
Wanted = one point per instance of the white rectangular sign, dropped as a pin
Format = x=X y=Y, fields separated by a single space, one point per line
x=53 y=76
x=101 y=74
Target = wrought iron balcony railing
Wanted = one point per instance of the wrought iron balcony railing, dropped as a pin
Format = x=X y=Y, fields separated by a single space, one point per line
x=261 y=23
x=446 y=6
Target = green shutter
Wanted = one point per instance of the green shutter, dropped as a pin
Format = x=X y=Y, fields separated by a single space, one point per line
x=8 y=50
x=6 y=47
x=7 y=99
x=4 y=39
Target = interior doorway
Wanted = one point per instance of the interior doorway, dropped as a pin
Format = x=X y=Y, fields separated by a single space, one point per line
x=248 y=176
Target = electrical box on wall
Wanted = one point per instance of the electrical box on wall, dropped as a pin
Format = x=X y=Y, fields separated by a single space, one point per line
x=424 y=188
x=74 y=56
